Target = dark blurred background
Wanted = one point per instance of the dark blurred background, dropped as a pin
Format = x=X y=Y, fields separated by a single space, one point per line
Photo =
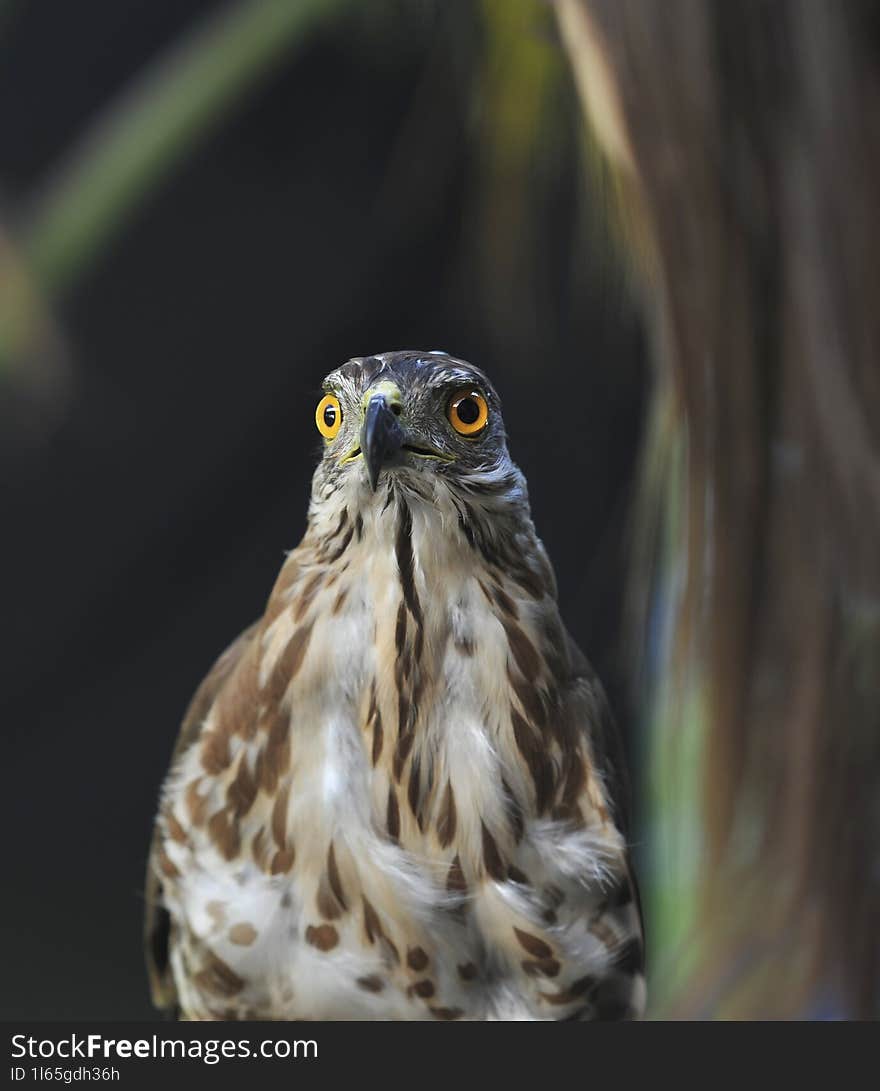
x=372 y=177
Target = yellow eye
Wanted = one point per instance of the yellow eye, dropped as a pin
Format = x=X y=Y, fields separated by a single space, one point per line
x=468 y=412
x=328 y=416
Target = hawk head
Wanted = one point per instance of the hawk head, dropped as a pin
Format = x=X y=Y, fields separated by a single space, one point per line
x=409 y=418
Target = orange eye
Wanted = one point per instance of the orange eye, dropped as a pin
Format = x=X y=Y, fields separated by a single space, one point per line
x=328 y=416
x=468 y=412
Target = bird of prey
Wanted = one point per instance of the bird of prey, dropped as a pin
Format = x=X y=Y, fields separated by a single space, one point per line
x=394 y=795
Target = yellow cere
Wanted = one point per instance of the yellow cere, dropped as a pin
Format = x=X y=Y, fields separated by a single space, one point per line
x=388 y=390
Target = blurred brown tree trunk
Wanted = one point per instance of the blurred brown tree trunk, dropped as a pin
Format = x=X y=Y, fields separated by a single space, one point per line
x=749 y=136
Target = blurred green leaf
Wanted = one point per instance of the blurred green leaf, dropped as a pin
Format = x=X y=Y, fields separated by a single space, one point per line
x=177 y=101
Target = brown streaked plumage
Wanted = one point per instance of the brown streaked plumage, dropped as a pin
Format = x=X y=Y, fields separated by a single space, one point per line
x=391 y=797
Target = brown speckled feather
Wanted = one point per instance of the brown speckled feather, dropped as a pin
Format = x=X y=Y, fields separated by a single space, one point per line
x=396 y=797
x=157 y=922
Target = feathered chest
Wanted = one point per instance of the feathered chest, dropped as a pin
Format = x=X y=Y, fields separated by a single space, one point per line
x=374 y=788
x=384 y=673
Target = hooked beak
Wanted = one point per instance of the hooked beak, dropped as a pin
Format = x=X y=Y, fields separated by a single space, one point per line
x=381 y=436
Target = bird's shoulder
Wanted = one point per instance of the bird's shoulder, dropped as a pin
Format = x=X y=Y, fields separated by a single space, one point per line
x=222 y=669
x=587 y=703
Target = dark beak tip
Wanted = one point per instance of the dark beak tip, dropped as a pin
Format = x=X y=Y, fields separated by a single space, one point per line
x=381 y=437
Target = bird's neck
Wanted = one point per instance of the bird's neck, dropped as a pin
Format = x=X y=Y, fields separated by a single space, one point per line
x=482 y=520
x=417 y=573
